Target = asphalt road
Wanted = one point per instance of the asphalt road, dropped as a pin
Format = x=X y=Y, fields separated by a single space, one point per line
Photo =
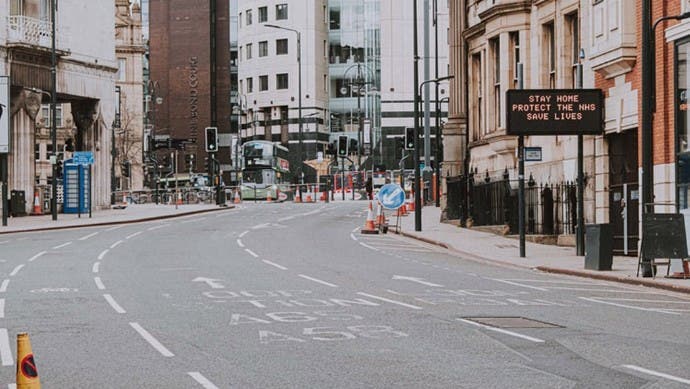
x=293 y=296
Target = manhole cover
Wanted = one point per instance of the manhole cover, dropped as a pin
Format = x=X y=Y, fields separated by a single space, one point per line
x=511 y=322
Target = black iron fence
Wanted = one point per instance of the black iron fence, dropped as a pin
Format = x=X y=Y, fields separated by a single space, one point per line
x=550 y=208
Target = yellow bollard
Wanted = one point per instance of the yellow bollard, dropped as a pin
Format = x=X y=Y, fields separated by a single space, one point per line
x=27 y=374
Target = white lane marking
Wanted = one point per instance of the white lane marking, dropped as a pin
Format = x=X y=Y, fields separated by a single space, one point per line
x=62 y=245
x=518 y=284
x=5 y=241
x=152 y=341
x=157 y=227
x=96 y=265
x=367 y=246
x=102 y=254
x=3 y=287
x=88 y=236
x=203 y=381
x=243 y=234
x=5 y=350
x=2 y=308
x=318 y=281
x=239 y=243
x=134 y=234
x=389 y=300
x=648 y=300
x=112 y=246
x=114 y=303
x=284 y=219
x=260 y=226
x=355 y=230
x=114 y=228
x=657 y=374
x=593 y=300
x=250 y=252
x=352 y=235
x=37 y=256
x=502 y=331
x=417 y=280
x=274 y=264
x=11 y=386
x=16 y=270
x=99 y=283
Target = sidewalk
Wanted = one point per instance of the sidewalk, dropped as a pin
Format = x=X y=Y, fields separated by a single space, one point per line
x=133 y=213
x=487 y=247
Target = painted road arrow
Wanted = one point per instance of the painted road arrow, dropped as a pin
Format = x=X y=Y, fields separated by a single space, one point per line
x=210 y=281
x=417 y=280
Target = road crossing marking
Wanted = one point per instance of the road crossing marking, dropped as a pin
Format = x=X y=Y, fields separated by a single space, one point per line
x=114 y=303
x=62 y=245
x=318 y=281
x=5 y=350
x=657 y=374
x=274 y=264
x=88 y=236
x=203 y=381
x=151 y=340
x=502 y=331
x=389 y=300
x=37 y=256
x=102 y=254
x=99 y=283
x=16 y=270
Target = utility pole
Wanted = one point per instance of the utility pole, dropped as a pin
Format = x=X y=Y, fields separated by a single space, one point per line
x=417 y=179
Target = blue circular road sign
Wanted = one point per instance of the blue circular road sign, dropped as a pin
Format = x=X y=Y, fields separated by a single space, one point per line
x=391 y=196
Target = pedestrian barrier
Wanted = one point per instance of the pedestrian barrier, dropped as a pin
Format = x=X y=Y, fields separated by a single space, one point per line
x=27 y=374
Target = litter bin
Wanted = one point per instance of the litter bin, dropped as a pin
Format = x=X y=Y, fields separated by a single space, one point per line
x=17 y=203
x=598 y=247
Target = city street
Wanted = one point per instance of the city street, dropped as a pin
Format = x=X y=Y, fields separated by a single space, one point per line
x=283 y=295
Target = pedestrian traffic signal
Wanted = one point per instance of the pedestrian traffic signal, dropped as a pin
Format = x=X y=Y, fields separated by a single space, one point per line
x=211 y=139
x=409 y=138
x=342 y=145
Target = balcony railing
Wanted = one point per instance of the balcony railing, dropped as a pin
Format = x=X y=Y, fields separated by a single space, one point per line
x=33 y=32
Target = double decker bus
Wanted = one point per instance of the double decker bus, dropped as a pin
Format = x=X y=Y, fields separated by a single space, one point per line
x=265 y=170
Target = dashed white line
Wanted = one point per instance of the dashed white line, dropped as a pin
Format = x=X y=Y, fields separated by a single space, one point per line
x=518 y=284
x=367 y=246
x=355 y=230
x=593 y=300
x=102 y=254
x=205 y=383
x=243 y=234
x=16 y=270
x=353 y=237
x=318 y=281
x=3 y=286
x=151 y=340
x=5 y=350
x=250 y=252
x=239 y=243
x=389 y=300
x=2 y=308
x=657 y=374
x=134 y=234
x=112 y=246
x=274 y=264
x=502 y=331
x=157 y=227
x=96 y=265
x=114 y=303
x=284 y=219
x=62 y=245
x=37 y=256
x=88 y=236
x=114 y=228
x=99 y=283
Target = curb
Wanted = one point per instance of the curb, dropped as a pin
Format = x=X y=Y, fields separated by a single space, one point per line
x=555 y=270
x=117 y=222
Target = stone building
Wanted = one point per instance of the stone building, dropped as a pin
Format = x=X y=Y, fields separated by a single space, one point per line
x=85 y=50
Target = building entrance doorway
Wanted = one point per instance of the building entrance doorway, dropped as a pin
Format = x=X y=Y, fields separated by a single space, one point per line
x=624 y=192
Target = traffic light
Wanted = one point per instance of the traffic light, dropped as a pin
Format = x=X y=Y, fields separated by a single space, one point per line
x=409 y=138
x=211 y=139
x=206 y=164
x=342 y=145
x=58 y=168
x=126 y=168
x=189 y=161
x=353 y=146
x=330 y=149
x=69 y=144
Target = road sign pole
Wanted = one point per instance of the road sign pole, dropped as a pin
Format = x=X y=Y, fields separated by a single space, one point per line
x=580 y=238
x=521 y=176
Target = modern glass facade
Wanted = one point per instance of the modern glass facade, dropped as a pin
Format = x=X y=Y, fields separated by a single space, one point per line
x=354 y=70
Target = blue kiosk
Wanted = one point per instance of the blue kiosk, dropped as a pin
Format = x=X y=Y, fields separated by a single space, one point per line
x=76 y=182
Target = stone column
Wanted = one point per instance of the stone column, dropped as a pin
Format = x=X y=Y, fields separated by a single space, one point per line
x=91 y=136
x=22 y=164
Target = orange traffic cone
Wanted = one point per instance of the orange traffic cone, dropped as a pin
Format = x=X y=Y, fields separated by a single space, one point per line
x=269 y=199
x=27 y=374
x=37 y=204
x=237 y=200
x=369 y=227
x=411 y=202
x=179 y=198
x=381 y=217
x=402 y=211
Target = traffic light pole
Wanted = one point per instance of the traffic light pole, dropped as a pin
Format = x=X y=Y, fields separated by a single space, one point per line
x=417 y=179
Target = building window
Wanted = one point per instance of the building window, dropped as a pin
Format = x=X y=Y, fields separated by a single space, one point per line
x=263 y=48
x=282 y=81
x=514 y=38
x=495 y=47
x=263 y=14
x=549 y=55
x=248 y=15
x=250 y=85
x=325 y=83
x=335 y=19
x=263 y=83
x=572 y=28
x=249 y=51
x=121 y=69
x=37 y=151
x=281 y=12
x=45 y=115
x=281 y=46
x=477 y=97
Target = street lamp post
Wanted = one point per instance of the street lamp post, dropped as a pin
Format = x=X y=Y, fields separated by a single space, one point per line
x=152 y=91
x=299 y=97
x=53 y=103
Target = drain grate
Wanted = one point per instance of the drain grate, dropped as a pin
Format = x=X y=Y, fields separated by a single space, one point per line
x=511 y=322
